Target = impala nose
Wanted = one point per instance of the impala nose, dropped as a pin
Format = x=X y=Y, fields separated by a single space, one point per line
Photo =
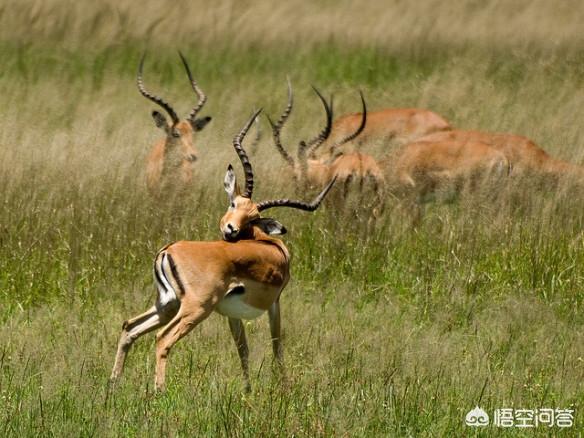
x=192 y=158
x=230 y=232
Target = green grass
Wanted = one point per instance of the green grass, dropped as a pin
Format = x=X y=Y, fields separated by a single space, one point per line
x=399 y=332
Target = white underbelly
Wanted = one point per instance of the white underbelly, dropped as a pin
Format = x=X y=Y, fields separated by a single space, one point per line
x=233 y=306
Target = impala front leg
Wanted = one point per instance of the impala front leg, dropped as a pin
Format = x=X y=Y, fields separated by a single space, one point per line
x=274 y=315
x=238 y=333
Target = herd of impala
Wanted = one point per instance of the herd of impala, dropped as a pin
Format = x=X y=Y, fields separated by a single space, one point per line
x=243 y=275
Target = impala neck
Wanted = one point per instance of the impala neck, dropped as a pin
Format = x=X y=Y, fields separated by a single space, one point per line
x=563 y=168
x=253 y=232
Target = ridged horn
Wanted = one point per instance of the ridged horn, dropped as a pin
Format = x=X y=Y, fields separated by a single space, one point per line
x=196 y=89
x=258 y=135
x=264 y=205
x=243 y=156
x=157 y=100
x=359 y=130
x=277 y=127
x=313 y=144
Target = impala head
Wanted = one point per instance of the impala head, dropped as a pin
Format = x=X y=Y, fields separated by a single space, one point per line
x=243 y=213
x=179 y=133
x=307 y=149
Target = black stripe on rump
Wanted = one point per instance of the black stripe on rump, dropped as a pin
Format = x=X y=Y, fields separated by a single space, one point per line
x=174 y=271
x=156 y=273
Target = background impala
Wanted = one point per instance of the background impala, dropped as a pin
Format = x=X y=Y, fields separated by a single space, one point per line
x=354 y=169
x=395 y=125
x=526 y=157
x=432 y=169
x=169 y=164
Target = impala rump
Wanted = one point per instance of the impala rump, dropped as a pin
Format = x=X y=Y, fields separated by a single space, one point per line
x=168 y=281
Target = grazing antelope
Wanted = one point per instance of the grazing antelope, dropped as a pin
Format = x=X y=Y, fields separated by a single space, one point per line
x=424 y=168
x=239 y=277
x=310 y=171
x=525 y=156
x=169 y=164
x=402 y=125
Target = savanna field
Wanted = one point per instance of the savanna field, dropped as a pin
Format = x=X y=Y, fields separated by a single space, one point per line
x=391 y=329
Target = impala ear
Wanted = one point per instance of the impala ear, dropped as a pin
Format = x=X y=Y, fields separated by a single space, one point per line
x=199 y=124
x=160 y=120
x=230 y=183
x=270 y=226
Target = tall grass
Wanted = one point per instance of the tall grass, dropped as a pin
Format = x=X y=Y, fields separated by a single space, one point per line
x=399 y=332
x=421 y=27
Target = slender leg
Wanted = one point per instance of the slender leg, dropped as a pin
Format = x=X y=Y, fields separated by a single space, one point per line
x=378 y=198
x=274 y=315
x=238 y=333
x=347 y=186
x=132 y=330
x=375 y=207
x=187 y=318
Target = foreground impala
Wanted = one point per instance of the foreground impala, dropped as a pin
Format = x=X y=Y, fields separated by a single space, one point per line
x=169 y=164
x=310 y=171
x=240 y=277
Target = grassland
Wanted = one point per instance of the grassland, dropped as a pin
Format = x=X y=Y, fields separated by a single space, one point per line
x=396 y=333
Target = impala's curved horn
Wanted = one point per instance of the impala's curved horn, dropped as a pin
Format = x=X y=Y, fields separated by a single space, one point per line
x=157 y=100
x=359 y=130
x=313 y=144
x=258 y=135
x=243 y=156
x=264 y=205
x=277 y=127
x=196 y=89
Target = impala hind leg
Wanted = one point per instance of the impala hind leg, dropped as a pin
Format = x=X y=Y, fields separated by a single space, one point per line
x=238 y=332
x=132 y=329
x=187 y=318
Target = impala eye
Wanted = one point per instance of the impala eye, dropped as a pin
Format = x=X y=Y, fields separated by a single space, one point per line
x=232 y=205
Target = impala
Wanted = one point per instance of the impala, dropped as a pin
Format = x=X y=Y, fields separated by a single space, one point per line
x=423 y=168
x=402 y=125
x=240 y=277
x=524 y=155
x=169 y=164
x=308 y=170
